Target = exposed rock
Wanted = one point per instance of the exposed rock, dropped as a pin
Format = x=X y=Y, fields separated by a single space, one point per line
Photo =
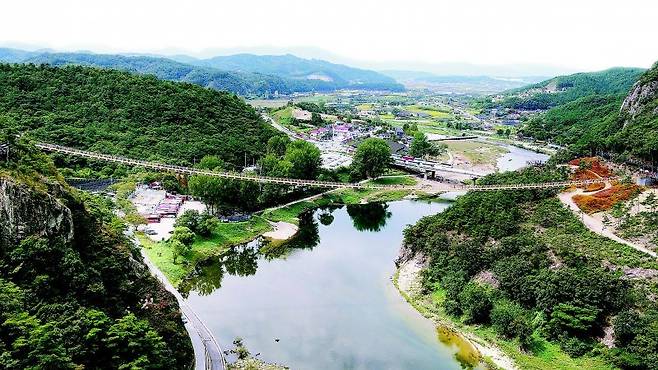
x=25 y=212
x=608 y=338
x=643 y=96
x=639 y=273
x=405 y=254
x=486 y=278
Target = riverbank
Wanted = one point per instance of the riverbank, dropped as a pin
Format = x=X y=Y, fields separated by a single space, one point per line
x=277 y=223
x=407 y=281
x=206 y=347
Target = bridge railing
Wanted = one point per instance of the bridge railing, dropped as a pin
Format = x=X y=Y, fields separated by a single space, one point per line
x=290 y=181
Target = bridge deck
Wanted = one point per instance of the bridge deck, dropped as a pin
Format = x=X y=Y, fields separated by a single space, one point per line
x=444 y=186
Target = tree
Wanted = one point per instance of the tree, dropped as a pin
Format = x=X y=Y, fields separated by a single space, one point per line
x=178 y=248
x=277 y=145
x=305 y=159
x=476 y=303
x=206 y=224
x=211 y=162
x=136 y=345
x=316 y=119
x=511 y=320
x=183 y=234
x=189 y=219
x=421 y=147
x=572 y=320
x=372 y=159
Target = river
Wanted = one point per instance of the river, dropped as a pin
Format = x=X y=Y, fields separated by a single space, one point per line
x=517 y=158
x=328 y=302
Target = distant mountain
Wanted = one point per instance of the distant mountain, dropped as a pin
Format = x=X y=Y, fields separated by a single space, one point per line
x=245 y=83
x=460 y=84
x=322 y=73
x=564 y=89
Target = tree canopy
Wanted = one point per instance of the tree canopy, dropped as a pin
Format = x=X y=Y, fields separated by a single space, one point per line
x=132 y=115
x=372 y=158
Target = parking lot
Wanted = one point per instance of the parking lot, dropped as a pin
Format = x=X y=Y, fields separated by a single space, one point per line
x=146 y=201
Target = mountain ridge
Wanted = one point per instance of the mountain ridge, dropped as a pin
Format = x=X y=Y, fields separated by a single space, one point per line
x=244 y=83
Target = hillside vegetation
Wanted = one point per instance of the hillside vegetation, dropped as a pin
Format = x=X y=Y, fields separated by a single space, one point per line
x=137 y=116
x=74 y=292
x=564 y=89
x=262 y=79
x=624 y=122
x=520 y=265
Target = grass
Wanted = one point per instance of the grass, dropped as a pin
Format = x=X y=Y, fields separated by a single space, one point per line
x=476 y=152
x=290 y=213
x=224 y=236
x=283 y=116
x=397 y=180
x=544 y=356
x=434 y=112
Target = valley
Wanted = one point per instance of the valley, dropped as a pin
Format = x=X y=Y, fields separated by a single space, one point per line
x=206 y=187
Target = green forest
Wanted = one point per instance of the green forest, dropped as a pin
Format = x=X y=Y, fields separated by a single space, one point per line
x=137 y=116
x=74 y=292
x=520 y=263
x=596 y=122
x=264 y=81
x=569 y=88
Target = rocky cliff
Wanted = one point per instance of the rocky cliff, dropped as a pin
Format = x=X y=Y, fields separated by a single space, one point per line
x=25 y=212
x=643 y=97
x=73 y=280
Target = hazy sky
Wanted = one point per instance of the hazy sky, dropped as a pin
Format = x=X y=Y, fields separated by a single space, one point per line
x=576 y=34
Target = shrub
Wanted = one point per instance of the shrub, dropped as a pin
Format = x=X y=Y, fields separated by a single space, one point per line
x=511 y=320
x=476 y=303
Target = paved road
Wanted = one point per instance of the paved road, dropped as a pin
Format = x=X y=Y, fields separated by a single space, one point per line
x=213 y=356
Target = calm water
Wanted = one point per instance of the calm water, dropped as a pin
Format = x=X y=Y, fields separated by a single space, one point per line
x=329 y=299
x=518 y=158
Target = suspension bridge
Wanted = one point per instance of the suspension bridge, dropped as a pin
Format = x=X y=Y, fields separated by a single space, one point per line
x=439 y=186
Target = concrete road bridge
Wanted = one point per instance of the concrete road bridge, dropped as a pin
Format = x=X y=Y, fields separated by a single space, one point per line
x=437 y=187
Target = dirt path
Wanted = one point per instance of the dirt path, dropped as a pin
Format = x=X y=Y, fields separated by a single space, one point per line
x=596 y=225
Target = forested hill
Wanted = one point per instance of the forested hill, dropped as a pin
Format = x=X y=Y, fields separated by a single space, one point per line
x=564 y=89
x=538 y=279
x=253 y=82
x=622 y=121
x=121 y=113
x=74 y=292
x=319 y=72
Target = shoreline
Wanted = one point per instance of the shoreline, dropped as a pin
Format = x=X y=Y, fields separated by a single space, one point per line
x=407 y=281
x=198 y=332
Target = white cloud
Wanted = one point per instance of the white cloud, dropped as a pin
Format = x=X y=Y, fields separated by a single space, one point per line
x=579 y=34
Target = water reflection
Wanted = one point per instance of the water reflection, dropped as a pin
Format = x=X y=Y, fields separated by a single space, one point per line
x=369 y=217
x=330 y=307
x=466 y=354
x=242 y=260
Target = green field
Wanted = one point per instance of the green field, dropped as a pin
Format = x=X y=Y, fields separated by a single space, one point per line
x=224 y=236
x=476 y=152
x=434 y=112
